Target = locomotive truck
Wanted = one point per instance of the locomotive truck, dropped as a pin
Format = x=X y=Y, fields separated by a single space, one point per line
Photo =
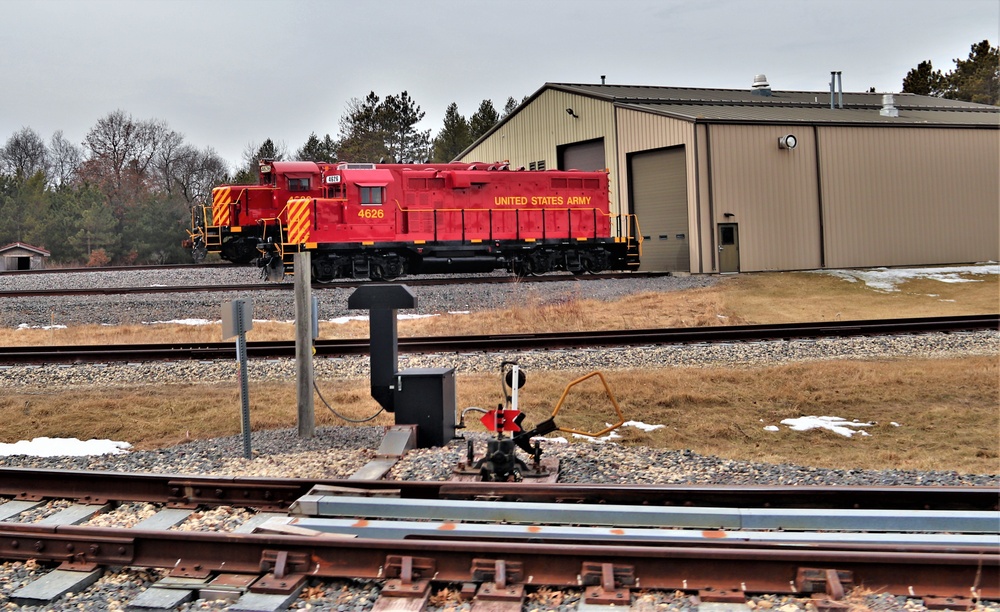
x=382 y=221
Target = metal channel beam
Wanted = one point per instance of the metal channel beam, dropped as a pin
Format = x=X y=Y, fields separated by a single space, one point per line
x=396 y=530
x=535 y=513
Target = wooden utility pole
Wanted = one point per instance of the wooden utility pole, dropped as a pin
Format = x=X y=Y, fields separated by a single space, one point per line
x=304 y=344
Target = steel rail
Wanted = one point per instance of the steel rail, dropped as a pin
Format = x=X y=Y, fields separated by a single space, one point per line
x=520 y=342
x=279 y=493
x=338 y=284
x=938 y=572
x=190 y=266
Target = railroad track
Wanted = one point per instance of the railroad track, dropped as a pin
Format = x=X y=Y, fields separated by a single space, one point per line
x=190 y=266
x=415 y=537
x=489 y=343
x=338 y=284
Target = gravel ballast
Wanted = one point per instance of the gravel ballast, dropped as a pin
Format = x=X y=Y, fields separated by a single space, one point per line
x=337 y=452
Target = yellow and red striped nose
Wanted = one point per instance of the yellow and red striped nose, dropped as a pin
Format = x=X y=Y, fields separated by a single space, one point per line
x=221 y=209
x=299 y=220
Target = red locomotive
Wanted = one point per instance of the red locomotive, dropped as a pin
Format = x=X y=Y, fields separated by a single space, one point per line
x=382 y=221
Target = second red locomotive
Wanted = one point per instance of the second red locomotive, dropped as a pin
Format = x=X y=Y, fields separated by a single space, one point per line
x=382 y=221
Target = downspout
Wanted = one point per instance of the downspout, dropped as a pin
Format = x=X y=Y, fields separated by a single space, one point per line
x=618 y=172
x=697 y=200
x=819 y=200
x=711 y=201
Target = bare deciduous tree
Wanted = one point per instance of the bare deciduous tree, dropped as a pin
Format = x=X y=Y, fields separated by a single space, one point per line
x=64 y=160
x=24 y=154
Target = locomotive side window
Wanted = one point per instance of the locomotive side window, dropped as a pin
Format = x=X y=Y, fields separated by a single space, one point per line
x=335 y=191
x=371 y=196
x=298 y=184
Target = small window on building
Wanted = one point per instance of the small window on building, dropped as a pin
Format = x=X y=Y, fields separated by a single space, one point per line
x=298 y=184
x=679 y=236
x=727 y=236
x=371 y=196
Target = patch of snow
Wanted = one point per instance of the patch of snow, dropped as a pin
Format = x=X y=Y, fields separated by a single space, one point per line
x=64 y=447
x=835 y=424
x=888 y=279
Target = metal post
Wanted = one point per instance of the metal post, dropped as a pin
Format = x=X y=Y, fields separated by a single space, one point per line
x=303 y=344
x=241 y=359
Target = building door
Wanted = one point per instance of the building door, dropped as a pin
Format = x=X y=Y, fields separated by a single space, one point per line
x=587 y=155
x=729 y=248
x=658 y=196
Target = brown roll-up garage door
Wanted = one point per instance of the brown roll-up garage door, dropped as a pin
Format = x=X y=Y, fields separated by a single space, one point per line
x=658 y=194
x=588 y=156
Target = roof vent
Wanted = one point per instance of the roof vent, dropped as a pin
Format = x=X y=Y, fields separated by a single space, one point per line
x=888 y=108
x=760 y=86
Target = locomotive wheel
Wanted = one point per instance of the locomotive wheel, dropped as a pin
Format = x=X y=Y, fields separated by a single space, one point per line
x=199 y=251
x=386 y=267
x=521 y=268
x=239 y=250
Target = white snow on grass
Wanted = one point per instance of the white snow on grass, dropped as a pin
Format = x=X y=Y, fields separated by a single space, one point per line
x=835 y=424
x=26 y=326
x=64 y=447
x=888 y=279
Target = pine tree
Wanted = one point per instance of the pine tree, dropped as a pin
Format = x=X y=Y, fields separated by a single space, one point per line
x=454 y=136
x=976 y=79
x=924 y=80
x=316 y=150
x=509 y=107
x=483 y=119
x=399 y=116
x=362 y=136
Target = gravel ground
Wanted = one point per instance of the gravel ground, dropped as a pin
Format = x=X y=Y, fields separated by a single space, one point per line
x=271 y=305
x=339 y=451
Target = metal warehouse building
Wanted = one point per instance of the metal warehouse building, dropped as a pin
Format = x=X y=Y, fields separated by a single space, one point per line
x=749 y=180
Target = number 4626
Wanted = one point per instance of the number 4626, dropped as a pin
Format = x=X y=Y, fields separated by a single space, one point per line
x=371 y=213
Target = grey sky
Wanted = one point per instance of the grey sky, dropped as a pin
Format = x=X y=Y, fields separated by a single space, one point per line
x=226 y=73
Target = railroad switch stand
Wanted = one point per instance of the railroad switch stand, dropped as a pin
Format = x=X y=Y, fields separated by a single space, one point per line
x=501 y=463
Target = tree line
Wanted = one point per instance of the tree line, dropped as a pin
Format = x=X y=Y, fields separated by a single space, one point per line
x=975 y=79
x=125 y=194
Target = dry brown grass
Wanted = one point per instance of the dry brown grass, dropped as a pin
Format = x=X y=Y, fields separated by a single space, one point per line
x=948 y=410
x=786 y=297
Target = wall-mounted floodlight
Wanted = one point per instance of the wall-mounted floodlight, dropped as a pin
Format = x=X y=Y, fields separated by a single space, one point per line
x=787 y=142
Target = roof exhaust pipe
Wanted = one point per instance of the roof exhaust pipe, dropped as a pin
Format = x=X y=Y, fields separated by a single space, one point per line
x=836 y=85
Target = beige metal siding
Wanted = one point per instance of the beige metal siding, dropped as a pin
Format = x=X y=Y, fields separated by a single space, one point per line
x=770 y=192
x=639 y=131
x=534 y=133
x=910 y=196
x=659 y=199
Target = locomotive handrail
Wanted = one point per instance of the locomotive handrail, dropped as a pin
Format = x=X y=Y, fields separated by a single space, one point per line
x=568 y=209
